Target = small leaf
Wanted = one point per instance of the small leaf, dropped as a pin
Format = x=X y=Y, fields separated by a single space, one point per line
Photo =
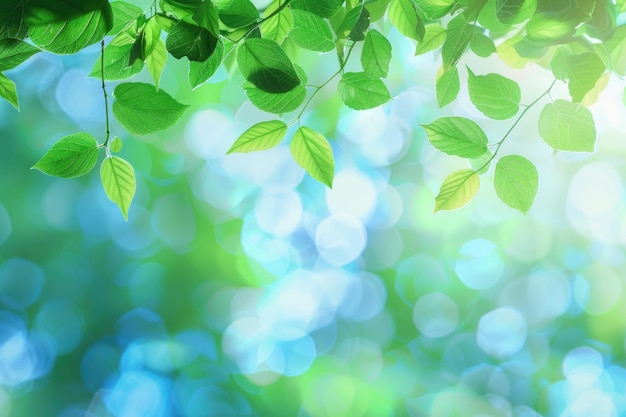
x=261 y=136
x=266 y=65
x=116 y=66
x=311 y=32
x=497 y=97
x=360 y=92
x=118 y=181
x=403 y=15
x=433 y=39
x=457 y=136
x=13 y=52
x=193 y=42
x=312 y=152
x=116 y=145
x=376 y=54
x=8 y=91
x=72 y=156
x=141 y=109
x=156 y=61
x=447 y=87
x=200 y=72
x=567 y=126
x=457 y=190
x=278 y=26
x=516 y=181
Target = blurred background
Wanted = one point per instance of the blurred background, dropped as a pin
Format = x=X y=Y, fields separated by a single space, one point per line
x=242 y=287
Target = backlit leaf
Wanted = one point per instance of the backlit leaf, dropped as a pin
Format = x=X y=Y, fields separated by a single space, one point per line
x=403 y=15
x=457 y=190
x=156 y=61
x=516 y=181
x=457 y=136
x=277 y=103
x=447 y=87
x=12 y=24
x=193 y=42
x=312 y=152
x=457 y=41
x=567 y=126
x=311 y=32
x=482 y=45
x=583 y=71
x=434 y=36
x=118 y=181
x=322 y=8
x=8 y=91
x=497 y=97
x=360 y=92
x=278 y=26
x=72 y=156
x=515 y=11
x=237 y=14
x=200 y=72
x=13 y=52
x=376 y=54
x=123 y=14
x=266 y=65
x=116 y=66
x=261 y=136
x=435 y=9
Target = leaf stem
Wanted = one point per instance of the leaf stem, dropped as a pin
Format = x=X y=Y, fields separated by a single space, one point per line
x=106 y=98
x=498 y=144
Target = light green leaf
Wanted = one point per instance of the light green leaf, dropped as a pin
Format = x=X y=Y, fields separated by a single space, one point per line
x=457 y=136
x=322 y=8
x=495 y=96
x=434 y=36
x=482 y=46
x=118 y=181
x=519 y=51
x=354 y=24
x=312 y=152
x=261 y=136
x=516 y=181
x=142 y=110
x=617 y=46
x=206 y=16
x=583 y=71
x=123 y=14
x=72 y=156
x=200 y=72
x=194 y=42
x=567 y=126
x=377 y=9
x=146 y=41
x=266 y=65
x=435 y=9
x=447 y=87
x=458 y=38
x=13 y=52
x=360 y=92
x=457 y=190
x=116 y=145
x=156 y=61
x=515 y=11
x=116 y=66
x=8 y=91
x=311 y=32
x=403 y=15
x=376 y=54
x=549 y=28
x=238 y=13
x=67 y=27
x=278 y=26
x=278 y=103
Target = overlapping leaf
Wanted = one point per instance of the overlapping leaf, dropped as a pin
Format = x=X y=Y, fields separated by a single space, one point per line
x=567 y=126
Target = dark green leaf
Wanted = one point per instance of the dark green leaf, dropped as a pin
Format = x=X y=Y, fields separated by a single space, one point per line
x=123 y=14
x=8 y=91
x=497 y=97
x=516 y=181
x=237 y=13
x=567 y=126
x=200 y=72
x=278 y=103
x=457 y=136
x=447 y=87
x=141 y=109
x=264 y=63
x=278 y=26
x=360 y=92
x=583 y=71
x=375 y=55
x=12 y=24
x=311 y=32
x=457 y=190
x=118 y=181
x=206 y=16
x=116 y=66
x=434 y=36
x=261 y=136
x=312 y=152
x=193 y=42
x=403 y=15
x=322 y=8
x=72 y=156
x=13 y=52
x=354 y=24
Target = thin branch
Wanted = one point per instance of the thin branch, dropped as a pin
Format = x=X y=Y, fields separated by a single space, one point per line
x=106 y=98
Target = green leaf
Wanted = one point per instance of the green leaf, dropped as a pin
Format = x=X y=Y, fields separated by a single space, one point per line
x=264 y=63
x=237 y=13
x=354 y=24
x=123 y=14
x=194 y=42
x=549 y=28
x=67 y=27
x=8 y=91
x=206 y=16
x=447 y=87
x=515 y=11
x=434 y=36
x=200 y=72
x=435 y=9
x=147 y=40
x=377 y=9
x=516 y=181
x=495 y=96
x=457 y=41
x=116 y=145
x=482 y=45
x=116 y=66
x=583 y=71
x=118 y=181
x=277 y=103
x=457 y=136
x=567 y=126
x=13 y=52
x=360 y=92
x=457 y=190
x=156 y=61
x=278 y=26
x=261 y=136
x=403 y=15
x=72 y=156
x=322 y=8
x=311 y=32
x=519 y=51
x=376 y=54
x=312 y=152
x=12 y=24
x=142 y=110
x=482 y=163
